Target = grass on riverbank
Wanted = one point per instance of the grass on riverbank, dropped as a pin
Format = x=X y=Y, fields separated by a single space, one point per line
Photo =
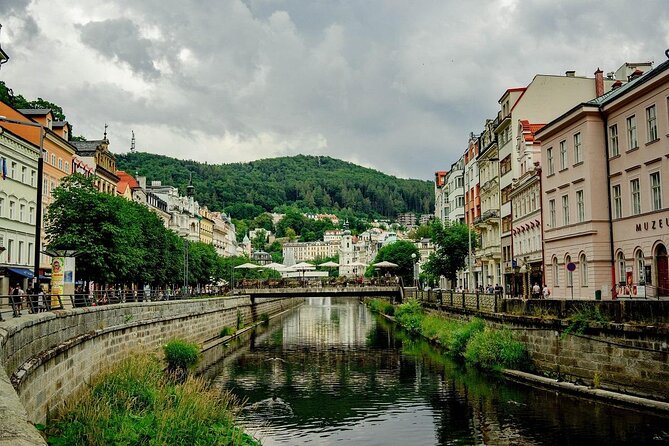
x=472 y=341
x=136 y=403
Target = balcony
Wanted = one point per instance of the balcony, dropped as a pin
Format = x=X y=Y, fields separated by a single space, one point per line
x=490 y=214
x=489 y=185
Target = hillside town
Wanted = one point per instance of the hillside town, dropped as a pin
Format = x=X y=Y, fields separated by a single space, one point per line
x=566 y=187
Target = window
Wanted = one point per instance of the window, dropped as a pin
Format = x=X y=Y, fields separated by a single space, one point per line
x=45 y=187
x=22 y=212
x=60 y=163
x=563 y=155
x=651 y=123
x=620 y=263
x=565 y=210
x=19 y=254
x=2 y=206
x=46 y=156
x=10 y=250
x=583 y=263
x=24 y=170
x=614 y=150
x=617 y=202
x=551 y=213
x=29 y=254
x=32 y=177
x=570 y=274
x=631 y=133
x=31 y=214
x=551 y=163
x=11 y=209
x=556 y=273
x=656 y=191
x=578 y=149
x=640 y=266
x=636 y=197
x=67 y=167
x=12 y=172
x=580 y=207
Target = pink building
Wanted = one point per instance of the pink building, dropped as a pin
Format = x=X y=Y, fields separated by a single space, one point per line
x=604 y=207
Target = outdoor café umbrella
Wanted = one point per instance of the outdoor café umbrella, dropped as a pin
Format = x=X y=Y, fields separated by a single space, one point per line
x=247 y=266
x=385 y=264
x=329 y=264
x=275 y=266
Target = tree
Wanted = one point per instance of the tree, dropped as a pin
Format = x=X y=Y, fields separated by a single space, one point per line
x=399 y=253
x=258 y=242
x=452 y=247
x=264 y=221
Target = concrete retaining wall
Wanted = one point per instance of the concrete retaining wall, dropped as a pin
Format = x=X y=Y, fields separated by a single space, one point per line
x=623 y=358
x=51 y=356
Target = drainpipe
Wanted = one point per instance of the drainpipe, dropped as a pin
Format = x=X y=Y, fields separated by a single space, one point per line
x=541 y=213
x=608 y=194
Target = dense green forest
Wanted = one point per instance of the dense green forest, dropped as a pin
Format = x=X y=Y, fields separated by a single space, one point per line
x=310 y=183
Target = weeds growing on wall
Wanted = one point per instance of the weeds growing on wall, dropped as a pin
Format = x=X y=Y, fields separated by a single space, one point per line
x=582 y=317
x=227 y=331
x=135 y=403
x=410 y=315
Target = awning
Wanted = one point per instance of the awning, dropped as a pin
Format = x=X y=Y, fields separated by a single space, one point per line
x=25 y=272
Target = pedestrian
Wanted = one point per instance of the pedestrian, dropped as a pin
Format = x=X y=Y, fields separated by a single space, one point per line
x=546 y=292
x=16 y=300
x=536 y=291
x=41 y=305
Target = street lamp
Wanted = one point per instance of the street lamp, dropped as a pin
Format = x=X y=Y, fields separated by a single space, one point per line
x=40 y=174
x=415 y=272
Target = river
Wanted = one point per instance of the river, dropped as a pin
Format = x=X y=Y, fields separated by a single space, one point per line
x=330 y=372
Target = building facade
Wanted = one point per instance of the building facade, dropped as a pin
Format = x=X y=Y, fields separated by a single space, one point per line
x=605 y=206
x=18 y=202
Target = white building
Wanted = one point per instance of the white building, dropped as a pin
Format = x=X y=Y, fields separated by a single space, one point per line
x=456 y=192
x=18 y=198
x=297 y=252
x=184 y=211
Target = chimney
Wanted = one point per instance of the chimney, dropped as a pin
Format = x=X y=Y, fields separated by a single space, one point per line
x=599 y=82
x=570 y=73
x=142 y=182
x=635 y=74
x=617 y=84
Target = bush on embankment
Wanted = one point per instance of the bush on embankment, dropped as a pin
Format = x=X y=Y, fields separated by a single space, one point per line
x=381 y=306
x=136 y=403
x=181 y=355
x=481 y=346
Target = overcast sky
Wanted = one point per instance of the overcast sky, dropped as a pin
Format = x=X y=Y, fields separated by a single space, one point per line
x=393 y=85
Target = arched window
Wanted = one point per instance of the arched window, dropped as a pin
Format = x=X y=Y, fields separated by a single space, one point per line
x=583 y=261
x=556 y=272
x=620 y=263
x=570 y=274
x=640 y=266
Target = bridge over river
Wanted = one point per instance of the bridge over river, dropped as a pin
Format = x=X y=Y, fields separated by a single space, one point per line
x=353 y=291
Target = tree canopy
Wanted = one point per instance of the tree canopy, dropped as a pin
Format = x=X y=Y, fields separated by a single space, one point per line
x=122 y=242
x=452 y=247
x=398 y=252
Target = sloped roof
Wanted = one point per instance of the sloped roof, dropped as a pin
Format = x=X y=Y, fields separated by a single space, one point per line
x=611 y=95
x=35 y=111
x=87 y=148
x=126 y=180
x=529 y=130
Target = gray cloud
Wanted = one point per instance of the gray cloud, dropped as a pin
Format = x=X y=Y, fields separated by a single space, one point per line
x=393 y=85
x=119 y=40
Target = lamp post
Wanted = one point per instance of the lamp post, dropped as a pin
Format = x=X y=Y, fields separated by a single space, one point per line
x=415 y=272
x=40 y=174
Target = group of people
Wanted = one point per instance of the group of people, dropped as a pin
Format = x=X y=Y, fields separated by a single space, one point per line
x=34 y=299
x=539 y=292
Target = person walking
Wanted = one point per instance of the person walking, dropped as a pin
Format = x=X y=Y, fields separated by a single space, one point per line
x=546 y=292
x=536 y=291
x=16 y=300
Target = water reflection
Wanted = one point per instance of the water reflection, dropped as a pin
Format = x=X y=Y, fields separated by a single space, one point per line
x=331 y=372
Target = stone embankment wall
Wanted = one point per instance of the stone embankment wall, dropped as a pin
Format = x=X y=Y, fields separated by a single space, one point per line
x=52 y=356
x=621 y=357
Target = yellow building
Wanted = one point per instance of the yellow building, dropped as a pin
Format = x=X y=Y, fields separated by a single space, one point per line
x=206 y=226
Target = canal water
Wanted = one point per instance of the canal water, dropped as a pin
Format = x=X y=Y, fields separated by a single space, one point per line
x=330 y=372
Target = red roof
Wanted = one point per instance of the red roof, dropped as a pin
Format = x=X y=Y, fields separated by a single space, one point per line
x=529 y=129
x=125 y=180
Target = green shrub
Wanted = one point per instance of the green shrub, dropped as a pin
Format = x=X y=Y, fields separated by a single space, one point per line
x=227 y=331
x=240 y=319
x=457 y=342
x=181 y=355
x=582 y=317
x=410 y=315
x=496 y=349
x=439 y=329
x=381 y=306
x=264 y=318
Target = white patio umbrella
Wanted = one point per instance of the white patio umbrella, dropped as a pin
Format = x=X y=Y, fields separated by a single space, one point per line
x=276 y=266
x=385 y=264
x=247 y=266
x=329 y=264
x=303 y=266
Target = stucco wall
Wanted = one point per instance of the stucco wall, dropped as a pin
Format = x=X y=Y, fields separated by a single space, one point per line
x=50 y=357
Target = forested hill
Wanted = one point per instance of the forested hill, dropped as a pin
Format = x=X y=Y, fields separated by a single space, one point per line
x=312 y=183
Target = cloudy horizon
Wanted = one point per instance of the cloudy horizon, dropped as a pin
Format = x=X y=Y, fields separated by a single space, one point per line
x=391 y=85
